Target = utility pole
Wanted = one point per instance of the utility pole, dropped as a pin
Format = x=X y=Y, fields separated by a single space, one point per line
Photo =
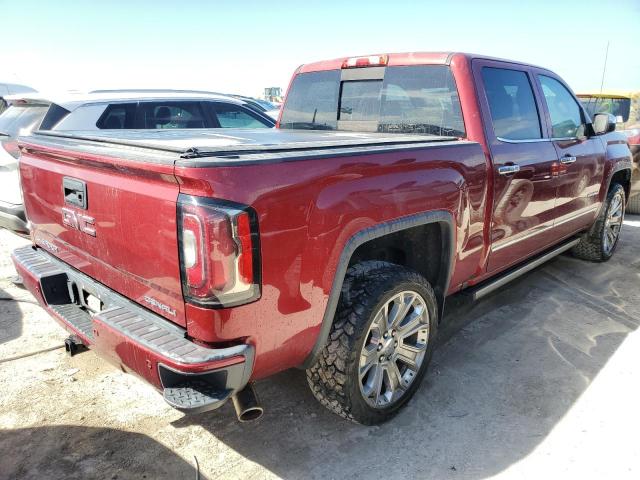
x=604 y=69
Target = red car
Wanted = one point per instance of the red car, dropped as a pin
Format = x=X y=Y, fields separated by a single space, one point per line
x=203 y=261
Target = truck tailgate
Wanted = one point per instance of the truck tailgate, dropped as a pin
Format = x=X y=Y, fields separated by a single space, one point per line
x=113 y=219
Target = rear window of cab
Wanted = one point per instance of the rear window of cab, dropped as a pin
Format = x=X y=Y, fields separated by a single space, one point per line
x=408 y=99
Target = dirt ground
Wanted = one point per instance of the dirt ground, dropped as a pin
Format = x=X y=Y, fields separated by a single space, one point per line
x=540 y=380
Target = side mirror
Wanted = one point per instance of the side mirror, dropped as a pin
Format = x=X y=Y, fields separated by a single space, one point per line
x=603 y=123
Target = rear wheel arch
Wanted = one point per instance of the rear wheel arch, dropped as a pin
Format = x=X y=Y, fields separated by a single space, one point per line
x=360 y=246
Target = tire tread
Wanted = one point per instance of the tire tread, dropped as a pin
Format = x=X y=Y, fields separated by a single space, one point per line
x=328 y=378
x=591 y=246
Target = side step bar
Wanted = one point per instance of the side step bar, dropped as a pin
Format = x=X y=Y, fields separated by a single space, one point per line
x=486 y=288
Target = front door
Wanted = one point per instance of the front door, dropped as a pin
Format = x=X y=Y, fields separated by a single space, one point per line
x=523 y=164
x=581 y=159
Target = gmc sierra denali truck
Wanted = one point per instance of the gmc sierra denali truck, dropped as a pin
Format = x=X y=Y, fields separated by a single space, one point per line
x=203 y=261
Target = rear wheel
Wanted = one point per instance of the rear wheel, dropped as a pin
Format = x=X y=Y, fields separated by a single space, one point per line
x=380 y=344
x=600 y=242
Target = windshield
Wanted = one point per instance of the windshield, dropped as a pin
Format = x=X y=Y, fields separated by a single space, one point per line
x=408 y=99
x=618 y=107
x=21 y=120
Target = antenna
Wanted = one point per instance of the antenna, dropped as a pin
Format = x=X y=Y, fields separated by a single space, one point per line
x=604 y=69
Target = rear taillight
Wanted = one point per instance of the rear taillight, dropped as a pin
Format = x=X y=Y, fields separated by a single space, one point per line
x=368 y=61
x=219 y=252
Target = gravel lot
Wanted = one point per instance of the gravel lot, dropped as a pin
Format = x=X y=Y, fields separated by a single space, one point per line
x=540 y=380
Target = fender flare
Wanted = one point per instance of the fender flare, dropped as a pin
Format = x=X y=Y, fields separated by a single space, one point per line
x=618 y=166
x=443 y=217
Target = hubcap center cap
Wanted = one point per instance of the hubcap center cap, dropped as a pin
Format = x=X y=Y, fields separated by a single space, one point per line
x=388 y=346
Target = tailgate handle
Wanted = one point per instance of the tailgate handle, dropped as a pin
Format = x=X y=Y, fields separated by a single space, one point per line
x=75 y=192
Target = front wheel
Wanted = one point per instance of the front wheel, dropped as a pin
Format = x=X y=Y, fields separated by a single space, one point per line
x=600 y=242
x=380 y=343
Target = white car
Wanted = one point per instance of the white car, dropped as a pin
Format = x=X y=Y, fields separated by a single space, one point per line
x=11 y=89
x=108 y=109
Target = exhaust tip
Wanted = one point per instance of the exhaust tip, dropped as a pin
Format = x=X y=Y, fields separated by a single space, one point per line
x=247 y=404
x=251 y=414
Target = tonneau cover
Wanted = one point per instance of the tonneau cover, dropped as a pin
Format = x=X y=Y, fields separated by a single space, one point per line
x=226 y=144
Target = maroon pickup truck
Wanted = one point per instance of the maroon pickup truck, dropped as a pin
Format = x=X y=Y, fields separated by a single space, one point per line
x=205 y=260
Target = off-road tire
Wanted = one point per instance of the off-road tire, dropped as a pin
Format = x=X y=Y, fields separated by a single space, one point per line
x=334 y=378
x=634 y=204
x=591 y=246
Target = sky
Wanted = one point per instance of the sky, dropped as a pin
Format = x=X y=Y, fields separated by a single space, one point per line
x=243 y=46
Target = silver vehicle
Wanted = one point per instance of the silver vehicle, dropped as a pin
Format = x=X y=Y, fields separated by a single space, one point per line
x=151 y=109
x=11 y=89
x=20 y=118
x=265 y=106
x=106 y=110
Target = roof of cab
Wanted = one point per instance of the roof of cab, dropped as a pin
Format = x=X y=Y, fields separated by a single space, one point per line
x=404 y=59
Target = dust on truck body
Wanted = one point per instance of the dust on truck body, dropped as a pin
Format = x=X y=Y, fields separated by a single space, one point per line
x=203 y=261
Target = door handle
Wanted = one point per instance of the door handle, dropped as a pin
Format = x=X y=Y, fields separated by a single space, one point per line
x=567 y=159
x=508 y=169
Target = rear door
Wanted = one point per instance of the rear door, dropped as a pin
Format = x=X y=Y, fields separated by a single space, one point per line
x=581 y=159
x=523 y=161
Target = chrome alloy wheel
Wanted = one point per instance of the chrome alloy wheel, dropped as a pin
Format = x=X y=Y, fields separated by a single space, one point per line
x=613 y=223
x=394 y=349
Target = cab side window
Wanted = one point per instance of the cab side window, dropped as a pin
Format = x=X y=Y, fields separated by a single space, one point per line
x=514 y=113
x=169 y=115
x=235 y=116
x=565 y=113
x=117 y=116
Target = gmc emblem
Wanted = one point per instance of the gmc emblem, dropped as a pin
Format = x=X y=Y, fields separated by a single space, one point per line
x=78 y=221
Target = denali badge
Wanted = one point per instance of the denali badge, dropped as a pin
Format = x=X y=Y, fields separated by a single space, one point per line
x=161 y=306
x=49 y=246
x=78 y=221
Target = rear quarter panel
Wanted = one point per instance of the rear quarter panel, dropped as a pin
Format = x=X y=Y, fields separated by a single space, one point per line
x=307 y=212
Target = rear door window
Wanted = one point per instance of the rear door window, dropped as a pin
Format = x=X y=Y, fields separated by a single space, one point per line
x=118 y=116
x=564 y=110
x=170 y=115
x=235 y=116
x=514 y=113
